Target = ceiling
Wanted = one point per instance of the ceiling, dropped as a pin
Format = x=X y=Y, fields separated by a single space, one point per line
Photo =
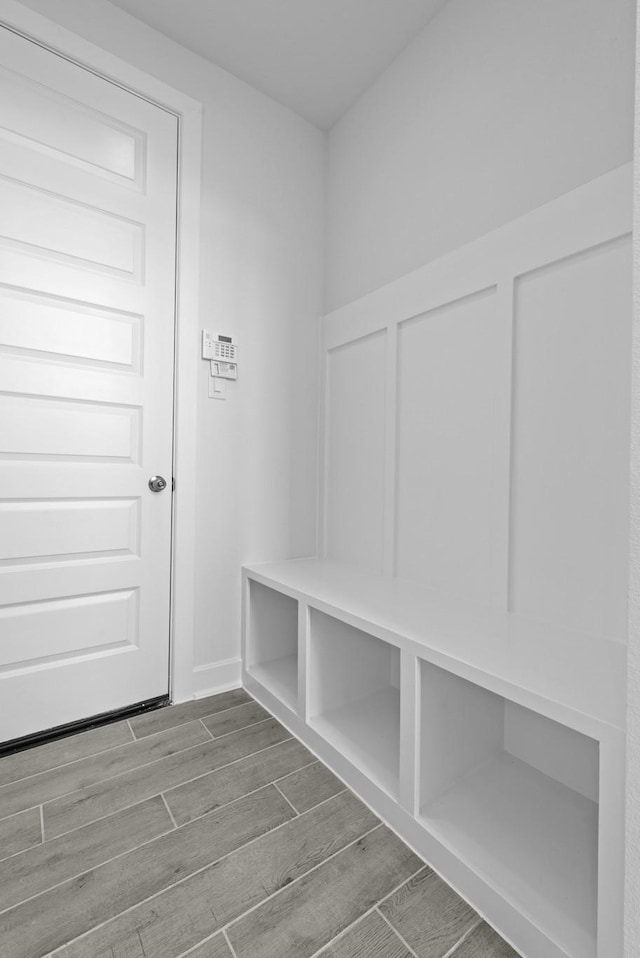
x=314 y=56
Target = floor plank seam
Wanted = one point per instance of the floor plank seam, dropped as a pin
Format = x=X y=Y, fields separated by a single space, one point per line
x=236 y=731
x=290 y=804
x=252 y=791
x=101 y=793
x=100 y=781
x=125 y=745
x=101 y=818
x=134 y=740
x=22 y=851
x=29 y=808
x=364 y=915
x=56 y=768
x=195 y=718
x=218 y=768
x=148 y=798
x=217 y=738
x=232 y=708
x=125 y=911
x=463 y=938
x=281 y=778
x=76 y=875
x=170 y=813
x=74 y=761
x=208 y=731
x=230 y=946
x=397 y=933
x=193 y=949
x=409 y=879
x=342 y=933
x=306 y=874
x=183 y=954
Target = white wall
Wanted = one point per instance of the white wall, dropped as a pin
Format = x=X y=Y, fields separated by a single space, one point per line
x=632 y=883
x=261 y=278
x=497 y=107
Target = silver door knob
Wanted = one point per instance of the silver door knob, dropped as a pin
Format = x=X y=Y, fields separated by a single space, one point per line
x=157 y=483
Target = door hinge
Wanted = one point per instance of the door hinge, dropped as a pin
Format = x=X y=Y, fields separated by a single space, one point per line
x=173 y=483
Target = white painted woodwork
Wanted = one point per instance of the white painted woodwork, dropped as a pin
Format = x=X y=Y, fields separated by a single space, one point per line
x=509 y=760
x=272 y=644
x=449 y=362
x=461 y=729
x=65 y=128
x=482 y=794
x=62 y=229
x=357 y=664
x=532 y=838
x=45 y=428
x=69 y=332
x=62 y=529
x=572 y=400
x=491 y=464
x=505 y=422
x=553 y=748
x=571 y=678
x=354 y=699
x=355 y=451
x=85 y=624
x=87 y=298
x=367 y=732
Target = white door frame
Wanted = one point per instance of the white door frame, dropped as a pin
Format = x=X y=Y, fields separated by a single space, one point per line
x=189 y=112
x=632 y=816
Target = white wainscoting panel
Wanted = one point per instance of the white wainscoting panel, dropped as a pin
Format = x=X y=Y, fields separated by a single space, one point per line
x=476 y=420
x=356 y=386
x=449 y=387
x=570 y=483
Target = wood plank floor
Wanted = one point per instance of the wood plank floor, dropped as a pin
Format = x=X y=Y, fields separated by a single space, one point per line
x=206 y=830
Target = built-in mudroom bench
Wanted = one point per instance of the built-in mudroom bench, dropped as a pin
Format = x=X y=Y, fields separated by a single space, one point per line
x=456 y=652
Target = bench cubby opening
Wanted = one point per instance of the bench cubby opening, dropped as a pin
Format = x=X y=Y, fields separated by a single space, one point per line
x=354 y=696
x=272 y=642
x=515 y=795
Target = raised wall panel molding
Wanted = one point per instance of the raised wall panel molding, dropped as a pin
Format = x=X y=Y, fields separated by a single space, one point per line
x=465 y=359
x=390 y=452
x=502 y=526
x=456 y=652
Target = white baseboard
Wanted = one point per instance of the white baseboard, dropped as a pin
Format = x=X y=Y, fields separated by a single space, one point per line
x=216 y=677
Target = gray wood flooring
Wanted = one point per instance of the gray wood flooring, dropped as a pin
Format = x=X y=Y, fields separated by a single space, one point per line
x=206 y=830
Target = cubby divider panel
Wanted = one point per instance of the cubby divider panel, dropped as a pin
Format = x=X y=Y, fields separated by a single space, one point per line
x=354 y=697
x=272 y=646
x=515 y=796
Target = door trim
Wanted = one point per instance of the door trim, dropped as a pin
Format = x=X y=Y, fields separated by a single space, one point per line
x=189 y=112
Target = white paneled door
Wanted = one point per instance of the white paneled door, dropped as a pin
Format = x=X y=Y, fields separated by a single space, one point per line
x=87 y=277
